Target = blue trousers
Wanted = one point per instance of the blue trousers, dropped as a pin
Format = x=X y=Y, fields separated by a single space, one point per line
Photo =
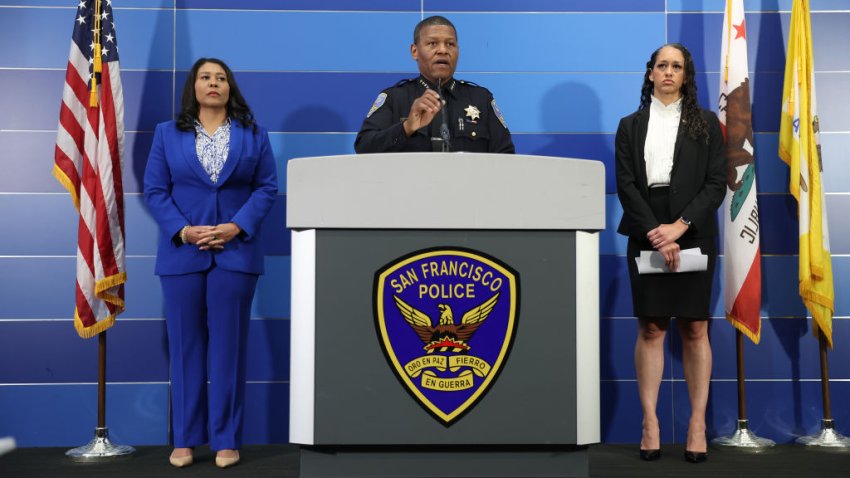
x=207 y=316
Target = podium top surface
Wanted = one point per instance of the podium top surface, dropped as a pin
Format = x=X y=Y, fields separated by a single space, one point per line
x=445 y=191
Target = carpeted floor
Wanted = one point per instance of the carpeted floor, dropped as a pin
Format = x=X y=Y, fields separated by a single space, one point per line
x=620 y=461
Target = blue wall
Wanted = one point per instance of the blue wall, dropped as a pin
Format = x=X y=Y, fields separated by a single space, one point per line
x=563 y=76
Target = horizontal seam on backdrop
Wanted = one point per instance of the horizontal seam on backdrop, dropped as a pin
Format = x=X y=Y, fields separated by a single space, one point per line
x=56 y=193
x=787 y=317
x=121 y=383
x=733 y=380
x=408 y=72
x=479 y=12
x=513 y=133
x=120 y=319
x=723 y=255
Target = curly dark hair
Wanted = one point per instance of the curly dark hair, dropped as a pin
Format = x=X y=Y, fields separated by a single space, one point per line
x=237 y=107
x=692 y=120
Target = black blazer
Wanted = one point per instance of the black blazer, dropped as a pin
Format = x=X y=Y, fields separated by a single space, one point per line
x=697 y=181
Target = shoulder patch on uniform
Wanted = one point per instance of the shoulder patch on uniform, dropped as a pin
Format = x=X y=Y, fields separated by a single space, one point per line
x=498 y=113
x=379 y=101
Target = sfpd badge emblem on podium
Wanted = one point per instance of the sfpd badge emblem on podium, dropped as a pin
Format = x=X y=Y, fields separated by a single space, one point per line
x=446 y=319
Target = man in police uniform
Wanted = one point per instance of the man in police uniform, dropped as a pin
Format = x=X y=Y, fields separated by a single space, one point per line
x=408 y=117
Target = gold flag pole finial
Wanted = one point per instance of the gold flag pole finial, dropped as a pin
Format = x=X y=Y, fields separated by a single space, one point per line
x=98 y=65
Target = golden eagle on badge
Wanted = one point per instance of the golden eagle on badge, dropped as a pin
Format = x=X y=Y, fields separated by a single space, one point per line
x=446 y=335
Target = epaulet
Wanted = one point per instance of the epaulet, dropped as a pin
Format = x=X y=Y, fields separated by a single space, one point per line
x=404 y=82
x=469 y=83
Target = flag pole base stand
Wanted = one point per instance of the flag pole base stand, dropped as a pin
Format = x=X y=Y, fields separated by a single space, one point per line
x=99 y=449
x=744 y=438
x=827 y=438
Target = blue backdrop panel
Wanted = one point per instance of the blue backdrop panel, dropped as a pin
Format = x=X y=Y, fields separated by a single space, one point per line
x=777 y=217
x=787 y=349
x=272 y=297
x=750 y=5
x=595 y=146
x=27 y=160
x=621 y=412
x=618 y=334
x=268 y=350
x=298 y=145
x=829 y=31
x=834 y=148
x=831 y=87
x=143 y=295
x=702 y=34
x=58 y=236
x=562 y=102
x=531 y=103
x=784 y=409
x=144 y=37
x=147 y=99
x=65 y=4
x=51 y=352
x=485 y=46
x=314 y=5
x=780 y=293
x=66 y=415
x=771 y=172
x=311 y=41
x=434 y=6
x=41 y=350
x=387 y=36
x=311 y=102
x=266 y=413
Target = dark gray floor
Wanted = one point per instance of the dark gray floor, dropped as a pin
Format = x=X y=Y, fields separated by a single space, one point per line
x=620 y=461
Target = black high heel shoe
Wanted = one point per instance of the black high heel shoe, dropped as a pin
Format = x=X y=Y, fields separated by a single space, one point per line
x=650 y=455
x=696 y=456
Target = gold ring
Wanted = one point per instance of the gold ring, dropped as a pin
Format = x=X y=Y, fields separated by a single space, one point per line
x=214 y=238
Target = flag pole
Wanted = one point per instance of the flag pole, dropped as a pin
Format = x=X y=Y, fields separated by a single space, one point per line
x=827 y=437
x=100 y=448
x=743 y=437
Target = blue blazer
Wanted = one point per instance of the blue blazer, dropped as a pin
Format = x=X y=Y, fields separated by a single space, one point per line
x=179 y=192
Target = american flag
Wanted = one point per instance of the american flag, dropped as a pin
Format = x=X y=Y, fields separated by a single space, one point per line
x=88 y=162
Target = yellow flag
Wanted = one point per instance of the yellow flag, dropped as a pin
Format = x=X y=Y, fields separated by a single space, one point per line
x=799 y=146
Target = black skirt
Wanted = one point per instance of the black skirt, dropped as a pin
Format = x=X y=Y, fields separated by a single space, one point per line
x=683 y=294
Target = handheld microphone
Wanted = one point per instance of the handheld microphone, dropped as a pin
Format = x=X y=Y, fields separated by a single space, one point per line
x=444 y=125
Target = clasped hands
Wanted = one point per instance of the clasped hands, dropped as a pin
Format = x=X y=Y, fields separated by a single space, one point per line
x=663 y=239
x=212 y=237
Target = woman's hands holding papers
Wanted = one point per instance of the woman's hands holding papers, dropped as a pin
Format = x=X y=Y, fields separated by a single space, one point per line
x=663 y=239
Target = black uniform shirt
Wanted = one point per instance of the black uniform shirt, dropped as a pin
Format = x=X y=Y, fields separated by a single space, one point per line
x=475 y=122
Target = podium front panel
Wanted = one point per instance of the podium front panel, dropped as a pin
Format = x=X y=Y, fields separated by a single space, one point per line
x=355 y=398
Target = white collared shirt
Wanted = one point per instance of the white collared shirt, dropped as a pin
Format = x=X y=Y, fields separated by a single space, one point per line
x=661 y=141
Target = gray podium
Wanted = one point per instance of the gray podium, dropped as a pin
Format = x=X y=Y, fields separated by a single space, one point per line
x=358 y=405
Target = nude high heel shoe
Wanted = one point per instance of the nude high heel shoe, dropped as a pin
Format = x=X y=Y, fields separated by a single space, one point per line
x=226 y=461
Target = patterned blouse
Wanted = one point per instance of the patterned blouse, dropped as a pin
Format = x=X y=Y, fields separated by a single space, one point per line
x=212 y=150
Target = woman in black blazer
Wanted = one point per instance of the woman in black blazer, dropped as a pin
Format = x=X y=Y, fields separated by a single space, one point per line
x=671 y=180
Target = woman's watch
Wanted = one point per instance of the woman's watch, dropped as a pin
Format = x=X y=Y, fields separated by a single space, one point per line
x=685 y=221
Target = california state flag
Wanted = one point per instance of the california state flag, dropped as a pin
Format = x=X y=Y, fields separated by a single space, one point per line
x=742 y=264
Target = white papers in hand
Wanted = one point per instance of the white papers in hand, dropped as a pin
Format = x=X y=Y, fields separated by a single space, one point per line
x=690 y=260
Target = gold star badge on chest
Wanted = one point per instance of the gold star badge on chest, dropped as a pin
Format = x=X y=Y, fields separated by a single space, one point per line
x=472 y=112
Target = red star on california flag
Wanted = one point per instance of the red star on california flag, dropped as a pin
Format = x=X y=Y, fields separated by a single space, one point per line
x=741 y=30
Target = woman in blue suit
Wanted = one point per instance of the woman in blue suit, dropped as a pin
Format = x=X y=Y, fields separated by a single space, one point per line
x=209 y=182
